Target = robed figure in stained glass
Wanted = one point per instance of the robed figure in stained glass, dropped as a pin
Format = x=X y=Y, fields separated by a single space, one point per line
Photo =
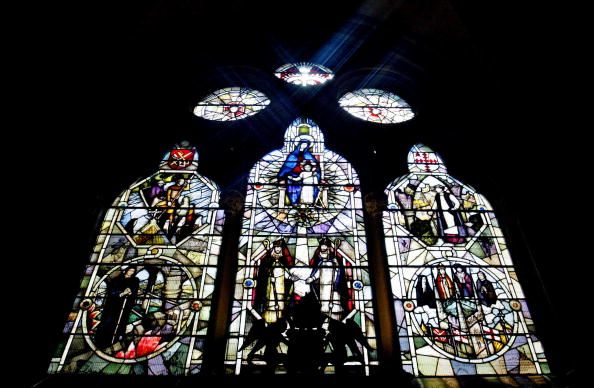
x=449 y=222
x=485 y=290
x=119 y=300
x=300 y=171
x=309 y=181
x=329 y=280
x=172 y=197
x=425 y=294
x=463 y=282
x=274 y=285
x=444 y=284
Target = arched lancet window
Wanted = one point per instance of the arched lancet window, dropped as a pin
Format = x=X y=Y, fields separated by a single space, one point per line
x=459 y=307
x=302 y=299
x=145 y=297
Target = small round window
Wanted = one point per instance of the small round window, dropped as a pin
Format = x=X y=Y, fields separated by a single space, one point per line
x=231 y=104
x=304 y=74
x=376 y=105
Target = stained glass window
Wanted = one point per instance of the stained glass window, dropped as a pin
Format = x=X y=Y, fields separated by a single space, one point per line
x=459 y=306
x=145 y=298
x=231 y=104
x=302 y=299
x=375 y=105
x=304 y=73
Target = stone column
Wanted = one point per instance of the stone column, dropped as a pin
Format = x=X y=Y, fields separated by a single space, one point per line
x=388 y=350
x=216 y=340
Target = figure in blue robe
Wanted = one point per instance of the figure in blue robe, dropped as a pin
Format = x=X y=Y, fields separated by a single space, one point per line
x=291 y=170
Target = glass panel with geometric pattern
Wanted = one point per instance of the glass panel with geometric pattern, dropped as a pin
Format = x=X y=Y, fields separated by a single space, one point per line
x=231 y=104
x=145 y=298
x=303 y=297
x=459 y=306
x=377 y=106
x=304 y=73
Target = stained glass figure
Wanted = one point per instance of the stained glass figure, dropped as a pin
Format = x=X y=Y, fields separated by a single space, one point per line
x=145 y=298
x=304 y=73
x=231 y=104
x=302 y=301
x=377 y=106
x=459 y=306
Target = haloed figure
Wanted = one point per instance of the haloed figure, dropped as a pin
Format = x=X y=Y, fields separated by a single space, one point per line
x=119 y=300
x=309 y=179
x=274 y=285
x=297 y=176
x=330 y=280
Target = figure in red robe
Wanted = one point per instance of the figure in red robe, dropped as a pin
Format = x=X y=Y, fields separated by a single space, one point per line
x=274 y=286
x=444 y=284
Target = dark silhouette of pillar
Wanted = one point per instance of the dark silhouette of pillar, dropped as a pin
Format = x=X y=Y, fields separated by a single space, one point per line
x=216 y=340
x=388 y=350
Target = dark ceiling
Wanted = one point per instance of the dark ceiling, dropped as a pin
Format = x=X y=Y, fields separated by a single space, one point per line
x=120 y=80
